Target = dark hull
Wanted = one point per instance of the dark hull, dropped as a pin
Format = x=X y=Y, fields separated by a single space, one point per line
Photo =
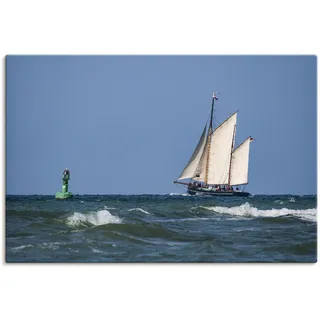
x=218 y=193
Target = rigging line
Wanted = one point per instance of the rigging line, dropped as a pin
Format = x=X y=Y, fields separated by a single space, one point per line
x=216 y=122
x=180 y=187
x=208 y=119
x=216 y=119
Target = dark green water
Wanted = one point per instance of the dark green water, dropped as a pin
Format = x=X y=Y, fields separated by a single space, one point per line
x=154 y=228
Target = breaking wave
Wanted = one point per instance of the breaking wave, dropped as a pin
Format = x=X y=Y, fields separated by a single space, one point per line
x=98 y=218
x=246 y=210
x=139 y=209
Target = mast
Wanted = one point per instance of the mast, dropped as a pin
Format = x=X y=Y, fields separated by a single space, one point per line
x=212 y=106
x=232 y=146
x=214 y=97
x=208 y=155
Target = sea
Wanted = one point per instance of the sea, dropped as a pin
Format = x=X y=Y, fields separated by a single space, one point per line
x=169 y=228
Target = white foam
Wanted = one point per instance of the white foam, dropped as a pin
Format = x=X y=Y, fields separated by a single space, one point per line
x=139 y=209
x=246 y=210
x=45 y=245
x=179 y=194
x=182 y=219
x=292 y=200
x=50 y=245
x=98 y=218
x=22 y=247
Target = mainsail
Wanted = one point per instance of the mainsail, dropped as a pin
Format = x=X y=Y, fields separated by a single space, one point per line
x=214 y=163
x=190 y=168
x=240 y=164
x=220 y=152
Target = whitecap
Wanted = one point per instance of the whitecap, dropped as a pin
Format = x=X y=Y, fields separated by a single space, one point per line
x=139 y=209
x=98 y=218
x=22 y=247
x=181 y=219
x=246 y=210
x=50 y=245
x=179 y=194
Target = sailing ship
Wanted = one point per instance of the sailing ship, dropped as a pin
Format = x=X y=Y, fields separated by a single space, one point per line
x=216 y=167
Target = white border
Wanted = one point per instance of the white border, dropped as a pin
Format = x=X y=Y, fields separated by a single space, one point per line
x=157 y=291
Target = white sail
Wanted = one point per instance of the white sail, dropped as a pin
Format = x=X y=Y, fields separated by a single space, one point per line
x=200 y=172
x=240 y=164
x=190 y=168
x=220 y=152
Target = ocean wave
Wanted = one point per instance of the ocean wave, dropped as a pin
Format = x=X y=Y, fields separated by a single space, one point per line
x=22 y=247
x=179 y=194
x=181 y=219
x=44 y=245
x=50 y=245
x=246 y=210
x=139 y=209
x=98 y=218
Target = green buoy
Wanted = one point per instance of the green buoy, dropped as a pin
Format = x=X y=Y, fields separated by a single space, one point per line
x=64 y=194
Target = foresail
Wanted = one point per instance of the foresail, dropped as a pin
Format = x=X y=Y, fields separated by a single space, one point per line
x=190 y=168
x=220 y=152
x=200 y=172
x=240 y=164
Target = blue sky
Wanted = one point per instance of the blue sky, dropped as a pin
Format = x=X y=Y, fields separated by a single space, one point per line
x=129 y=124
